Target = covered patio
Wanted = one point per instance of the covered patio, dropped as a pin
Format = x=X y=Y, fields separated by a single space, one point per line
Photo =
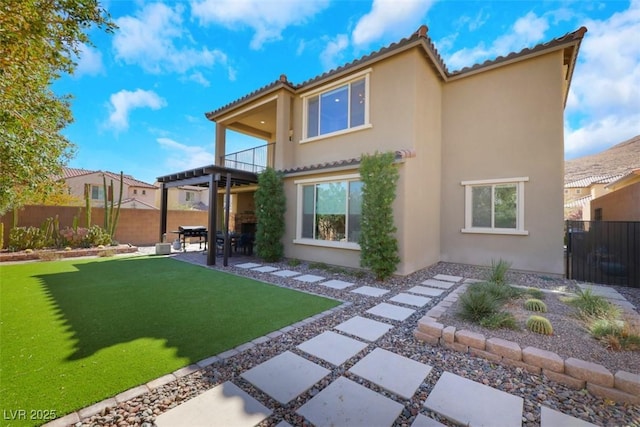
x=215 y=178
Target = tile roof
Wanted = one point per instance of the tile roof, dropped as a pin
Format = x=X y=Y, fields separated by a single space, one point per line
x=419 y=38
x=127 y=179
x=589 y=181
x=579 y=202
x=400 y=154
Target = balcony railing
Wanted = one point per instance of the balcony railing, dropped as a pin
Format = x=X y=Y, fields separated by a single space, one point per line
x=251 y=160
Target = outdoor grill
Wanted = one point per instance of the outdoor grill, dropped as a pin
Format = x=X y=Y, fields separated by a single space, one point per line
x=196 y=231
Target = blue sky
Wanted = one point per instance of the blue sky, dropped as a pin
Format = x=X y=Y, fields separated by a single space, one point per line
x=139 y=95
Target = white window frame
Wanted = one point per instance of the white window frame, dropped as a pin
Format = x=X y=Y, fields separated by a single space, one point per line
x=299 y=240
x=334 y=85
x=468 y=206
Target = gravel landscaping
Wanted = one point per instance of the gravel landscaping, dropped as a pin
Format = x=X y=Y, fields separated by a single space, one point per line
x=535 y=390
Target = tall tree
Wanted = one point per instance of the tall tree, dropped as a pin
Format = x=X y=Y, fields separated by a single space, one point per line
x=39 y=40
x=271 y=204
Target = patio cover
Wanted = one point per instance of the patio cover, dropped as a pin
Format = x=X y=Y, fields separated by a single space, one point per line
x=213 y=177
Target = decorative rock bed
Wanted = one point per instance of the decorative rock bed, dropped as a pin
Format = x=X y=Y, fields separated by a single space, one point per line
x=52 y=254
x=623 y=387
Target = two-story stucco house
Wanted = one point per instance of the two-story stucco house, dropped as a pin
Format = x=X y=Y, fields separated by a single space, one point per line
x=480 y=154
x=136 y=194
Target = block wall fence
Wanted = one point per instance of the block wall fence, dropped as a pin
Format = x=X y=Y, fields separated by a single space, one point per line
x=140 y=227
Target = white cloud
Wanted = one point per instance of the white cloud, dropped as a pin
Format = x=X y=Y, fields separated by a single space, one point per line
x=89 y=62
x=268 y=18
x=525 y=32
x=199 y=78
x=331 y=54
x=390 y=18
x=604 y=105
x=121 y=104
x=184 y=157
x=156 y=40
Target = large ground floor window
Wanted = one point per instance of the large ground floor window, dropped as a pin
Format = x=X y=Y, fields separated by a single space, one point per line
x=330 y=210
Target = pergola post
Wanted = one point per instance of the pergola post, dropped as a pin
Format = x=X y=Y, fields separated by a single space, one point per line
x=227 y=202
x=211 y=235
x=163 y=212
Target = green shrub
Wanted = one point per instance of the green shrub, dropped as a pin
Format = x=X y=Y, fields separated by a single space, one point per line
x=502 y=293
x=498 y=320
x=476 y=305
x=21 y=238
x=378 y=244
x=270 y=203
x=539 y=325
x=535 y=293
x=294 y=262
x=97 y=236
x=533 y=304
x=595 y=306
x=602 y=327
x=499 y=272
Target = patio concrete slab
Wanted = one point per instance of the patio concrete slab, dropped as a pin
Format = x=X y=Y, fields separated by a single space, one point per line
x=346 y=403
x=398 y=374
x=422 y=290
x=448 y=278
x=391 y=311
x=552 y=418
x=266 y=269
x=337 y=284
x=248 y=265
x=309 y=278
x=423 y=421
x=285 y=273
x=370 y=291
x=470 y=403
x=602 y=291
x=223 y=405
x=332 y=347
x=367 y=329
x=285 y=376
x=409 y=299
x=433 y=283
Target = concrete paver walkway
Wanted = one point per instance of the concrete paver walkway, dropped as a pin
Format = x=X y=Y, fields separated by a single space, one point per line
x=345 y=402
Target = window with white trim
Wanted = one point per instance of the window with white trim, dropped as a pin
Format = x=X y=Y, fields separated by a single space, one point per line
x=495 y=206
x=337 y=109
x=330 y=211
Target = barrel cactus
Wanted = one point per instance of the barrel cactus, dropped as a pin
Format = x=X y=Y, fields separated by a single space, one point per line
x=539 y=325
x=534 y=304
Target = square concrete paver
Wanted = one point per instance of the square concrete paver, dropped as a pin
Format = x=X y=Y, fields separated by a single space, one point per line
x=285 y=273
x=422 y=290
x=398 y=374
x=337 y=284
x=391 y=311
x=470 y=403
x=423 y=421
x=223 y=405
x=248 y=265
x=364 y=328
x=346 y=403
x=332 y=347
x=370 y=291
x=265 y=269
x=448 y=278
x=285 y=376
x=309 y=278
x=409 y=299
x=552 y=418
x=432 y=283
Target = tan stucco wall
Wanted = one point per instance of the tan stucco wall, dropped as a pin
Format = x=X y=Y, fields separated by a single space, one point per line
x=620 y=205
x=506 y=123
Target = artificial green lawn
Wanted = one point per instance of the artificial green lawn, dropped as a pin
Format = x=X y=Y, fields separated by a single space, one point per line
x=75 y=332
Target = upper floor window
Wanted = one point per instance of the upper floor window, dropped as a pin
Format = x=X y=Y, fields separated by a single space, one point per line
x=337 y=109
x=495 y=206
x=190 y=196
x=97 y=192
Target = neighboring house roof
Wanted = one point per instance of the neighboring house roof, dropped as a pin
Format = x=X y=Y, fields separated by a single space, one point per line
x=421 y=39
x=131 y=200
x=589 y=181
x=348 y=163
x=623 y=179
x=127 y=179
x=577 y=203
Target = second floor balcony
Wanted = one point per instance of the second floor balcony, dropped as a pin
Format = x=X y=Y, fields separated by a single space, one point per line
x=254 y=159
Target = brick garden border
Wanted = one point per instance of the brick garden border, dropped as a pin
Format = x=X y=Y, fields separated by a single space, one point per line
x=623 y=387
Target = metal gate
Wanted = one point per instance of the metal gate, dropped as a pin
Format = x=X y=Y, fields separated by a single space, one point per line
x=605 y=252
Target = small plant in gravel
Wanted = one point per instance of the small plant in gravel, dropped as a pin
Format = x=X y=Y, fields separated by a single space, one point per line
x=499 y=320
x=534 y=304
x=499 y=271
x=539 y=325
x=590 y=305
x=534 y=293
x=475 y=304
x=616 y=334
x=293 y=262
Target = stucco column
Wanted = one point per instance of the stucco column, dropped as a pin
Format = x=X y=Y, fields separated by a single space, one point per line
x=283 y=150
x=220 y=143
